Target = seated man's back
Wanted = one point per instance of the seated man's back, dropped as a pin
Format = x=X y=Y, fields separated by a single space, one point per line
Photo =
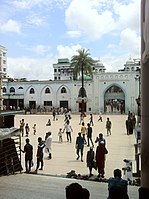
x=117 y=186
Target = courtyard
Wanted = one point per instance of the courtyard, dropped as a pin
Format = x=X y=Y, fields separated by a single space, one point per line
x=120 y=146
x=51 y=182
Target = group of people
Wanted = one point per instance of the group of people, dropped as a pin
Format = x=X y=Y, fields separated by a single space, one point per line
x=93 y=161
x=97 y=161
x=28 y=150
x=130 y=123
x=117 y=188
x=27 y=128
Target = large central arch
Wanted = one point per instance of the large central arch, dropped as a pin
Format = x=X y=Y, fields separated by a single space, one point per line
x=114 y=99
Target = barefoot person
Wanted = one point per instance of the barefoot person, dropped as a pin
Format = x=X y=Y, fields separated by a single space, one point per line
x=101 y=151
x=28 y=150
x=41 y=145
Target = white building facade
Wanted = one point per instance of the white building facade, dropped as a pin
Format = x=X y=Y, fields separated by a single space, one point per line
x=105 y=89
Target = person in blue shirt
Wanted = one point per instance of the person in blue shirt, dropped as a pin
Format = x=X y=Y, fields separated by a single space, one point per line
x=80 y=146
x=117 y=186
x=100 y=139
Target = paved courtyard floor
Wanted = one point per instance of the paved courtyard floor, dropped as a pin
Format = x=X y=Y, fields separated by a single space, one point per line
x=25 y=186
x=119 y=145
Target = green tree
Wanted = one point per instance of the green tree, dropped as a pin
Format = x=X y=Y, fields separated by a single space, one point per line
x=82 y=63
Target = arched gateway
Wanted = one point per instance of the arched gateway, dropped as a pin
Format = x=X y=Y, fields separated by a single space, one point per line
x=114 y=100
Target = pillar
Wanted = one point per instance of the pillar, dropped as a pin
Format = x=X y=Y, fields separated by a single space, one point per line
x=144 y=190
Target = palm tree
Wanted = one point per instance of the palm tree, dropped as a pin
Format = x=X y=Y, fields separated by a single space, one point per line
x=82 y=60
x=82 y=63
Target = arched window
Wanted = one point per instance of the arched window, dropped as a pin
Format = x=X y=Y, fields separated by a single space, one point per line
x=47 y=90
x=20 y=87
x=12 y=90
x=63 y=90
x=32 y=91
x=4 y=89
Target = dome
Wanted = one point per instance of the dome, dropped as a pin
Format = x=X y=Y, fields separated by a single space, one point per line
x=85 y=77
x=98 y=63
x=130 y=62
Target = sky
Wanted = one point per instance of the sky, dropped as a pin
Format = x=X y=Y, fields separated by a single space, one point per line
x=37 y=33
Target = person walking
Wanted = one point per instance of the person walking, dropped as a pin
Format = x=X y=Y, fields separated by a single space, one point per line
x=27 y=129
x=60 y=135
x=117 y=186
x=108 y=126
x=90 y=160
x=101 y=151
x=80 y=146
x=100 y=116
x=83 y=131
x=134 y=121
x=81 y=118
x=91 y=120
x=28 y=150
x=68 y=130
x=54 y=114
x=89 y=135
x=39 y=155
x=22 y=124
x=129 y=126
x=48 y=144
x=34 y=129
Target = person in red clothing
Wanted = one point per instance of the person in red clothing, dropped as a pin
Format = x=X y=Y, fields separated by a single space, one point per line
x=101 y=151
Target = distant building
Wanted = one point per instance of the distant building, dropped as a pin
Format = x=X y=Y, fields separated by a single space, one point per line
x=105 y=91
x=62 y=70
x=3 y=60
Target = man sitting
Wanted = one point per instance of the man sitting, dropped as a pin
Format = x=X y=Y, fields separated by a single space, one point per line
x=117 y=186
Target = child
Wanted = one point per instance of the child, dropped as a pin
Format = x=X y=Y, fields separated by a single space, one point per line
x=100 y=117
x=91 y=119
x=60 y=135
x=22 y=124
x=48 y=123
x=27 y=129
x=81 y=118
x=34 y=129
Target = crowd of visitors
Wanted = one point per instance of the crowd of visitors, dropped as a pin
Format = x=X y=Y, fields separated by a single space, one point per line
x=95 y=156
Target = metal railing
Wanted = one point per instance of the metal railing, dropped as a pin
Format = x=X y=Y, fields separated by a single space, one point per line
x=10 y=156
